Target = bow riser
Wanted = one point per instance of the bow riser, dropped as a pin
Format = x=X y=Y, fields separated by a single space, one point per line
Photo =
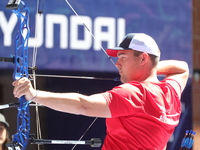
x=21 y=138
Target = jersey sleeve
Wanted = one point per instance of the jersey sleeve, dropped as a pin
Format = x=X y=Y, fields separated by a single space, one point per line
x=125 y=99
x=175 y=85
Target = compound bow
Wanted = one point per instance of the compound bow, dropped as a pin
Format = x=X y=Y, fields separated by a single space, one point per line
x=21 y=138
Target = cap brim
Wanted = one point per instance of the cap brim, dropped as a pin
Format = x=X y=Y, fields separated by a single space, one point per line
x=5 y=123
x=113 y=51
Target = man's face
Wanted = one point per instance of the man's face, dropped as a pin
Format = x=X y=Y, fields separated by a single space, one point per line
x=2 y=133
x=128 y=65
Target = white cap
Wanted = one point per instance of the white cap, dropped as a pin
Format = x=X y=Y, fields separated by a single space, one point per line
x=136 y=41
x=3 y=120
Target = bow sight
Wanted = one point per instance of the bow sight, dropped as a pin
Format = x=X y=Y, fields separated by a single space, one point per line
x=13 y=4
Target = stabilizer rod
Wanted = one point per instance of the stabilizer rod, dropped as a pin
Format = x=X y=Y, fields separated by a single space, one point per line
x=94 y=142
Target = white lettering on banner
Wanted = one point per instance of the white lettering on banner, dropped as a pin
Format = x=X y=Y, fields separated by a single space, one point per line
x=39 y=38
x=7 y=27
x=121 y=30
x=75 y=42
x=62 y=20
x=105 y=29
x=108 y=35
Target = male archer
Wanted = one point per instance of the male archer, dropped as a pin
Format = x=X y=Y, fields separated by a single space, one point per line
x=142 y=112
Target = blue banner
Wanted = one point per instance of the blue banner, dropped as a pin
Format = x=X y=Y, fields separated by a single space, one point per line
x=65 y=44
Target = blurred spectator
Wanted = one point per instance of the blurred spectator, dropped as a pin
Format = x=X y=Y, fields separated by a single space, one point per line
x=4 y=134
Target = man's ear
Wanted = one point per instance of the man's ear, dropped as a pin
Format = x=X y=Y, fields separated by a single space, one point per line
x=144 y=58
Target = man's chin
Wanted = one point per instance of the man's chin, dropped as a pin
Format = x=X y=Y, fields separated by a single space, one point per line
x=122 y=79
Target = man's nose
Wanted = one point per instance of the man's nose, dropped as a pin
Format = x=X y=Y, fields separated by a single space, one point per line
x=117 y=64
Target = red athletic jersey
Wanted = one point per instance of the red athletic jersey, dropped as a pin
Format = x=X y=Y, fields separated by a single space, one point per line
x=144 y=115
